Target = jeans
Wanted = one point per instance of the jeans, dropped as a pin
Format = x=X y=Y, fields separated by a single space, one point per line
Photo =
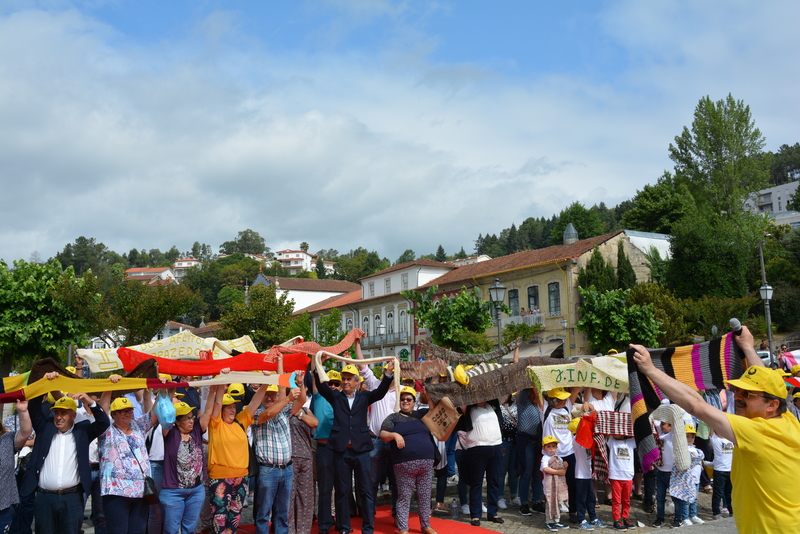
x=480 y=461
x=325 y=478
x=125 y=515
x=379 y=463
x=722 y=492
x=451 y=454
x=693 y=505
x=585 y=501
x=529 y=478
x=681 y=509
x=156 y=515
x=6 y=517
x=274 y=488
x=58 y=513
x=462 y=477
x=662 y=485
x=508 y=466
x=98 y=517
x=182 y=509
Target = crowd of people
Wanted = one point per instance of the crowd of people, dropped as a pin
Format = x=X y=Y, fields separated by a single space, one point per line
x=325 y=450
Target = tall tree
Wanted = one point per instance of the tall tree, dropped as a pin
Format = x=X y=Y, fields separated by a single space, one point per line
x=247 y=242
x=329 y=328
x=720 y=159
x=626 y=278
x=322 y=273
x=440 y=254
x=265 y=317
x=304 y=246
x=34 y=321
x=406 y=256
x=82 y=255
x=598 y=274
x=610 y=323
x=785 y=165
x=461 y=254
x=585 y=221
x=657 y=207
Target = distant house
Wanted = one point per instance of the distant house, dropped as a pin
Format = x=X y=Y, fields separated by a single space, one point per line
x=307 y=291
x=773 y=201
x=182 y=266
x=151 y=275
x=171 y=328
x=295 y=261
x=469 y=260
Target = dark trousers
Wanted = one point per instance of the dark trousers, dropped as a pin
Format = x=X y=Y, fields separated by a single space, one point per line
x=98 y=517
x=58 y=514
x=570 y=461
x=23 y=516
x=722 y=492
x=125 y=515
x=325 y=478
x=346 y=464
x=649 y=483
x=480 y=461
x=585 y=501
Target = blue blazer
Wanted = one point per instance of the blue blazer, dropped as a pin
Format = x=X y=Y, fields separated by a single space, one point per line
x=350 y=424
x=84 y=433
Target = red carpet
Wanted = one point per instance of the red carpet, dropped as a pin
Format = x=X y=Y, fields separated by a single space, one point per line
x=385 y=525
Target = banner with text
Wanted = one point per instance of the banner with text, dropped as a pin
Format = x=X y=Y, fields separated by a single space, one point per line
x=579 y=374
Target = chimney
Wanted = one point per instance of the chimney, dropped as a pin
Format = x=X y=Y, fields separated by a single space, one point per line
x=570 y=234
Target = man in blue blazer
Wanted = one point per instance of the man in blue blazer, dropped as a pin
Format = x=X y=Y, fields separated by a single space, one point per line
x=59 y=469
x=351 y=442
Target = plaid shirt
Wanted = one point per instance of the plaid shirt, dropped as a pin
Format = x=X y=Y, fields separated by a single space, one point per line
x=273 y=439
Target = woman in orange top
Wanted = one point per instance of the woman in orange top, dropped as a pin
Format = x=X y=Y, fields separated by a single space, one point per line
x=228 y=456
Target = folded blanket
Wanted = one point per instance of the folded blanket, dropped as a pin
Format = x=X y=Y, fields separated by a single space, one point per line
x=701 y=366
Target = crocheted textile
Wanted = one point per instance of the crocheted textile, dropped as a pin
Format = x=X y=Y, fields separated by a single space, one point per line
x=673 y=414
x=428 y=351
x=613 y=423
x=423 y=370
x=701 y=366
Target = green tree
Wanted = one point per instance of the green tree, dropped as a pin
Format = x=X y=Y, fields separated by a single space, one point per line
x=720 y=159
x=598 y=273
x=626 y=278
x=248 y=242
x=265 y=318
x=514 y=330
x=34 y=322
x=667 y=309
x=322 y=273
x=440 y=254
x=172 y=255
x=227 y=296
x=304 y=246
x=405 y=257
x=446 y=317
x=460 y=255
x=585 y=221
x=609 y=323
x=329 y=328
x=656 y=208
x=785 y=165
x=84 y=254
x=703 y=314
x=300 y=325
x=657 y=265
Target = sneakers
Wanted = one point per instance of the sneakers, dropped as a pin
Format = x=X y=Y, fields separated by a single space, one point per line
x=561 y=526
x=659 y=522
x=676 y=523
x=483 y=507
x=452 y=481
x=716 y=517
x=501 y=503
x=516 y=502
x=619 y=526
x=551 y=527
x=585 y=526
x=697 y=521
x=597 y=523
x=725 y=512
x=465 y=509
x=441 y=508
x=627 y=523
x=538 y=507
x=525 y=510
x=563 y=508
x=687 y=523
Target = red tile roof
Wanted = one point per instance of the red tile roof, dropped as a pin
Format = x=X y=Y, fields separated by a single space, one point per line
x=423 y=262
x=143 y=271
x=520 y=260
x=313 y=284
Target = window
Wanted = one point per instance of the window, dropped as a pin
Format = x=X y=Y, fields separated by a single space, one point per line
x=533 y=298
x=388 y=285
x=403 y=321
x=554 y=298
x=365 y=325
x=372 y=289
x=404 y=280
x=349 y=324
x=390 y=322
x=377 y=321
x=513 y=301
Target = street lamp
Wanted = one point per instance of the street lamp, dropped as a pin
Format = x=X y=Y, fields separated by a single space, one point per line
x=381 y=330
x=766 y=295
x=497 y=294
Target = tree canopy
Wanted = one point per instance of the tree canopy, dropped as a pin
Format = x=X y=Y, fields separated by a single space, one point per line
x=247 y=242
x=265 y=317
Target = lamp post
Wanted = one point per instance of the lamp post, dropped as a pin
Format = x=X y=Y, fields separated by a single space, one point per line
x=381 y=330
x=497 y=294
x=766 y=292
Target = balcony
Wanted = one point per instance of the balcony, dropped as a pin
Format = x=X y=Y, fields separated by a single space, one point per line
x=529 y=320
x=394 y=338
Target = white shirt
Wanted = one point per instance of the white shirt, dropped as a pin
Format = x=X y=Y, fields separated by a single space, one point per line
x=695 y=452
x=485 y=428
x=667 y=456
x=557 y=424
x=545 y=461
x=378 y=410
x=620 y=458
x=60 y=469
x=583 y=462
x=606 y=404
x=723 y=453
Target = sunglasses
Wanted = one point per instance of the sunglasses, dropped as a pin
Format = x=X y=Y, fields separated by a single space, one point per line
x=335 y=384
x=407 y=399
x=746 y=393
x=184 y=419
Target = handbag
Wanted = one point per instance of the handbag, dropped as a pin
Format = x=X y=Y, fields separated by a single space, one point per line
x=150 y=492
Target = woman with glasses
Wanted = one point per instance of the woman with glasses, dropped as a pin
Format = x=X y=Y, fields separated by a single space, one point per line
x=413 y=453
x=182 y=490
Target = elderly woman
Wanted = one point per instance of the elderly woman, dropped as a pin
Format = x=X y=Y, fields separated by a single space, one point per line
x=124 y=463
x=228 y=457
x=182 y=489
x=10 y=444
x=413 y=453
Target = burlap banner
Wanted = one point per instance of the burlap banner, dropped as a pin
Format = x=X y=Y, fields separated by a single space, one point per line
x=604 y=372
x=182 y=346
x=484 y=387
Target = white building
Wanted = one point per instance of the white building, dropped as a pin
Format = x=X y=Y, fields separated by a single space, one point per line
x=295 y=260
x=181 y=267
x=306 y=292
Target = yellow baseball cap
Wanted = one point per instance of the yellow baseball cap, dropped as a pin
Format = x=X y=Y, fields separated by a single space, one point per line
x=410 y=391
x=181 y=408
x=65 y=403
x=272 y=388
x=51 y=399
x=165 y=376
x=121 y=403
x=796 y=395
x=759 y=378
x=350 y=368
x=558 y=393
x=573 y=425
x=236 y=389
x=227 y=400
x=549 y=439
x=795 y=369
x=334 y=375
x=690 y=429
x=71 y=369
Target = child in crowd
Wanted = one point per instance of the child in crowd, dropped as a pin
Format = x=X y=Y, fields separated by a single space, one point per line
x=585 y=500
x=620 y=473
x=682 y=487
x=723 y=459
x=696 y=469
x=555 y=483
x=663 y=471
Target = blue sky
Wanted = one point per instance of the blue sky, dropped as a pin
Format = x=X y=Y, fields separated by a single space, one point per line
x=346 y=123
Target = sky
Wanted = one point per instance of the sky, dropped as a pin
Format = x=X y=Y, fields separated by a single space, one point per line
x=388 y=125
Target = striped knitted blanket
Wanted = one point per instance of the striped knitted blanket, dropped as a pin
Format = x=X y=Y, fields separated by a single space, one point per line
x=701 y=366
